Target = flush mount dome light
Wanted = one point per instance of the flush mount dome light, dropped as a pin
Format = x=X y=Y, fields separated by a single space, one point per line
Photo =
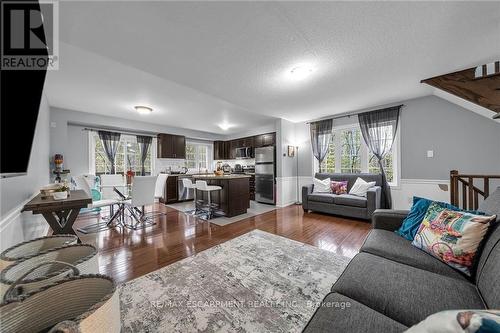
x=225 y=126
x=143 y=109
x=301 y=72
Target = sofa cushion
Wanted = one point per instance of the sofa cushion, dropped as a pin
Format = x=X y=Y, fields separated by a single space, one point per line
x=322 y=197
x=351 y=178
x=404 y=293
x=350 y=200
x=491 y=206
x=488 y=271
x=354 y=317
x=390 y=245
x=452 y=236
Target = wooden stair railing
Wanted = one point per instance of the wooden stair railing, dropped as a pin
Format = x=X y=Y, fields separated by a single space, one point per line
x=470 y=191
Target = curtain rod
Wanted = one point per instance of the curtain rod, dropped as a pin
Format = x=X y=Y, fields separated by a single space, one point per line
x=354 y=113
x=95 y=129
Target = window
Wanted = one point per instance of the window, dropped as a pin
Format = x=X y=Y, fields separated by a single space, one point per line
x=350 y=140
x=348 y=153
x=328 y=164
x=128 y=156
x=197 y=155
x=387 y=161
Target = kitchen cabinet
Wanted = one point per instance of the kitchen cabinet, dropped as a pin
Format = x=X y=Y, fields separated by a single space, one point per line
x=170 y=194
x=171 y=146
x=264 y=140
x=226 y=150
x=220 y=150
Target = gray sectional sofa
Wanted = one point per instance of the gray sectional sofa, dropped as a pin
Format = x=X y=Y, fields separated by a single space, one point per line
x=391 y=285
x=344 y=204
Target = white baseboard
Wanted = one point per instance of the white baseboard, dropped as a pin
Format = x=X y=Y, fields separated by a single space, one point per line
x=17 y=226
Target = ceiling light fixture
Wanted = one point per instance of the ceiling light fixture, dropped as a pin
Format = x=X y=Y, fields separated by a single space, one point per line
x=225 y=126
x=143 y=109
x=301 y=72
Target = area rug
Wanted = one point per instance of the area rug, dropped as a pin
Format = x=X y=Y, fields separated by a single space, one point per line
x=257 y=282
x=254 y=210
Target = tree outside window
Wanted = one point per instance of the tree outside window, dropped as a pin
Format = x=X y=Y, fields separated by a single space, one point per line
x=196 y=156
x=351 y=145
x=128 y=157
x=328 y=164
x=348 y=153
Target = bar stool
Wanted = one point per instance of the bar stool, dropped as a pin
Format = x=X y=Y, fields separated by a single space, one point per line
x=203 y=186
x=188 y=184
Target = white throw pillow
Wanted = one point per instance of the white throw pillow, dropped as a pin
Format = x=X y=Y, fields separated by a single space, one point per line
x=459 y=321
x=360 y=187
x=322 y=186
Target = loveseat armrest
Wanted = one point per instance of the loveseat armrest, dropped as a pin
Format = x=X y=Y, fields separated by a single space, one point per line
x=373 y=199
x=306 y=190
x=388 y=219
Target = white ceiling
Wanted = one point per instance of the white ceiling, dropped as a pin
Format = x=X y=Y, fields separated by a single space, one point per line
x=202 y=63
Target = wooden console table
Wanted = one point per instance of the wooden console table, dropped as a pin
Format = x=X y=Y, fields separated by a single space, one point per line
x=60 y=214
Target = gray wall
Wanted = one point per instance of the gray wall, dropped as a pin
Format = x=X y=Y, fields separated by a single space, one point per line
x=16 y=190
x=285 y=136
x=460 y=139
x=68 y=138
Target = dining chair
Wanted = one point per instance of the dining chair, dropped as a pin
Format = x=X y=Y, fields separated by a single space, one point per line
x=143 y=194
x=108 y=182
x=82 y=184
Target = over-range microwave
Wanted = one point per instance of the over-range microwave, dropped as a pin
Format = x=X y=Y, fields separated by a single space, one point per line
x=244 y=152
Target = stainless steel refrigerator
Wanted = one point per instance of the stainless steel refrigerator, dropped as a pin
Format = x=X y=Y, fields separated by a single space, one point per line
x=265 y=191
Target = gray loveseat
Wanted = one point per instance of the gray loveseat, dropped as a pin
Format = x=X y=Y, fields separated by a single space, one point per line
x=391 y=285
x=344 y=204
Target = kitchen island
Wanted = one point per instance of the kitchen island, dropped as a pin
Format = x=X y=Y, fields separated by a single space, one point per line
x=234 y=198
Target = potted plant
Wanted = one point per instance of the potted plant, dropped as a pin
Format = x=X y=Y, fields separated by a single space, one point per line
x=61 y=193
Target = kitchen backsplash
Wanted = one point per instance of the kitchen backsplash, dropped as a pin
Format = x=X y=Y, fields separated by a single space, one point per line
x=163 y=164
x=243 y=162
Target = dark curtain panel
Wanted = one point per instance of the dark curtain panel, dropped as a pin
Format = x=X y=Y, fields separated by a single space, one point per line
x=379 y=130
x=110 y=141
x=144 y=144
x=321 y=134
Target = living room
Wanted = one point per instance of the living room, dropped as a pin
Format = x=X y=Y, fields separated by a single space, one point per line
x=250 y=166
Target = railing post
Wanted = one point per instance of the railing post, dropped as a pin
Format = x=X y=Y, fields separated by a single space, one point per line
x=471 y=193
x=454 y=187
x=486 y=187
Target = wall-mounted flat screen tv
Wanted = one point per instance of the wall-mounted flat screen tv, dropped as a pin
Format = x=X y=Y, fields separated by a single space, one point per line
x=21 y=93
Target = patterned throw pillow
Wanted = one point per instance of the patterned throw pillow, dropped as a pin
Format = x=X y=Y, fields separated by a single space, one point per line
x=339 y=187
x=459 y=321
x=452 y=236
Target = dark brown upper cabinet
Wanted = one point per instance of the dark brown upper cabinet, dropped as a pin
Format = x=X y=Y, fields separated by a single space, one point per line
x=171 y=146
x=226 y=150
x=220 y=150
x=264 y=140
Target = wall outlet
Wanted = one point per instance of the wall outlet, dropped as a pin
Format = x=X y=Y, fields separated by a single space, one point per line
x=53 y=124
x=430 y=153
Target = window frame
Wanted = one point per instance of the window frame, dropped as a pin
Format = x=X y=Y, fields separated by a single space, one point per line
x=124 y=139
x=365 y=155
x=209 y=154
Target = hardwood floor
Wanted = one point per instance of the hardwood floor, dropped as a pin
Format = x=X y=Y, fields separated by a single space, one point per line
x=127 y=254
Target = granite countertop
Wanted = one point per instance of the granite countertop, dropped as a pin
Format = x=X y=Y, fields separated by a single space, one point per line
x=213 y=176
